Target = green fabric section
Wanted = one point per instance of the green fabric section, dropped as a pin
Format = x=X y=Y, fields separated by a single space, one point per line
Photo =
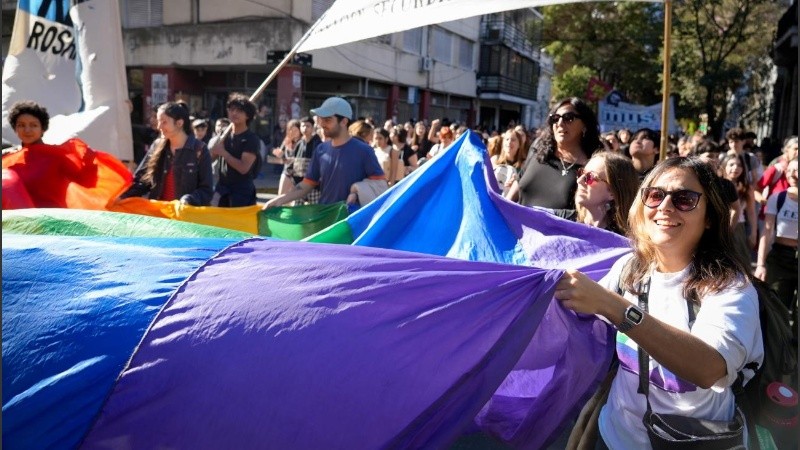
x=78 y=222
x=298 y=222
x=765 y=438
x=338 y=233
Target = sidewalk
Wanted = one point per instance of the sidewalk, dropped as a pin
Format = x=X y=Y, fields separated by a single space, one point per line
x=267 y=182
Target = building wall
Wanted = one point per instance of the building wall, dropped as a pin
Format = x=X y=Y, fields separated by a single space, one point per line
x=193 y=11
x=200 y=35
x=207 y=45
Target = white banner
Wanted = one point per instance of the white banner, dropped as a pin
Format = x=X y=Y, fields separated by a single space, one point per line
x=76 y=71
x=618 y=115
x=355 y=20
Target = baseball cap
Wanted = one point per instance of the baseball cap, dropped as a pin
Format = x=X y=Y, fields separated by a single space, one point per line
x=199 y=123
x=334 y=106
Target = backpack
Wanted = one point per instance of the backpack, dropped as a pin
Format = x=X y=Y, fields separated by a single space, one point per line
x=779 y=363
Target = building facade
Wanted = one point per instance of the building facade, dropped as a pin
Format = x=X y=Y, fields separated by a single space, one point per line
x=480 y=70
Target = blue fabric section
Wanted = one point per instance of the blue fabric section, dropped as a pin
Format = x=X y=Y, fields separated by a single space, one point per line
x=452 y=189
x=57 y=10
x=74 y=308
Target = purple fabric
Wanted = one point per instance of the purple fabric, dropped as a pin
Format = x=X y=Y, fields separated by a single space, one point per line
x=451 y=206
x=295 y=345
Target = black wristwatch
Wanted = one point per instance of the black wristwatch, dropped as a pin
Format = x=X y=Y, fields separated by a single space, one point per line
x=633 y=316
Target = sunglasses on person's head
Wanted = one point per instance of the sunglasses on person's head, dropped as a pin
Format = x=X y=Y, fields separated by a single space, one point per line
x=589 y=177
x=683 y=199
x=568 y=117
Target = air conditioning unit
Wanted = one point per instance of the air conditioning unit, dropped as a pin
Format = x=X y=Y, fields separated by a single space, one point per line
x=425 y=64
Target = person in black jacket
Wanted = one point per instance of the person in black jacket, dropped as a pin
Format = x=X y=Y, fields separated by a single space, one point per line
x=178 y=165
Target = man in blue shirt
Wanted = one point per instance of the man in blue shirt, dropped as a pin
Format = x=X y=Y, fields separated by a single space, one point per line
x=337 y=163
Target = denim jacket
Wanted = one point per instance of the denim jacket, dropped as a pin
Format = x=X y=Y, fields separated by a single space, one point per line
x=191 y=168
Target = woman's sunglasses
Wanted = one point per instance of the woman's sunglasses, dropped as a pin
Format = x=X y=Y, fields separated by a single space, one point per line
x=589 y=177
x=683 y=199
x=568 y=117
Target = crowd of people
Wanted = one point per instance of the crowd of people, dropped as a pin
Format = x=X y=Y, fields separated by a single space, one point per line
x=703 y=223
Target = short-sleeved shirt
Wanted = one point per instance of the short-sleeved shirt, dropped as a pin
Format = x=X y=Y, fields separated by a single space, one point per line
x=335 y=169
x=724 y=322
x=237 y=145
x=408 y=152
x=786 y=218
x=543 y=185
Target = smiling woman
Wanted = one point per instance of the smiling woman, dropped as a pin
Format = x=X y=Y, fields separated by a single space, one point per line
x=682 y=259
x=178 y=167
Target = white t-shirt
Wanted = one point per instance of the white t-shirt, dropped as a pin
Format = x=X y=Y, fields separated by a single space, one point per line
x=786 y=218
x=727 y=321
x=504 y=174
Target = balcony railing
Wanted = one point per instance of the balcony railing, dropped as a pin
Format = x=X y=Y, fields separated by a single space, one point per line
x=495 y=31
x=504 y=85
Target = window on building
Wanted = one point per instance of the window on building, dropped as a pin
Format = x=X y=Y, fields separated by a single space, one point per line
x=412 y=41
x=442 y=45
x=465 y=53
x=143 y=13
x=504 y=56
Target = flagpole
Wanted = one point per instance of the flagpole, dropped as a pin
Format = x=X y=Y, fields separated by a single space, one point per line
x=280 y=66
x=665 y=82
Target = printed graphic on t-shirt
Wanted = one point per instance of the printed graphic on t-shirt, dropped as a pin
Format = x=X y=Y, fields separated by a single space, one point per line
x=660 y=377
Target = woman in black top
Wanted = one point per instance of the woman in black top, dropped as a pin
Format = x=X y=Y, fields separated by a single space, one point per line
x=548 y=179
x=398 y=136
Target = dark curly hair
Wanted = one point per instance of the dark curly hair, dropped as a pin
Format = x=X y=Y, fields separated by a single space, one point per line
x=545 y=147
x=28 y=107
x=241 y=101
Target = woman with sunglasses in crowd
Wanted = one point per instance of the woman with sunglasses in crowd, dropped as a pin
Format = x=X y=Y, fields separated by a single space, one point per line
x=606 y=189
x=682 y=246
x=548 y=177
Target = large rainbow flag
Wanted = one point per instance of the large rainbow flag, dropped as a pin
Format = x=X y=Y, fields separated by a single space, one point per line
x=436 y=323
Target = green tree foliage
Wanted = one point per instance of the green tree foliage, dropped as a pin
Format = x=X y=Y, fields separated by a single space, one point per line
x=572 y=82
x=719 y=47
x=619 y=42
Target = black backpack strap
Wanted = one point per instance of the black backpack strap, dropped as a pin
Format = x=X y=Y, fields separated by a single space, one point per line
x=644 y=358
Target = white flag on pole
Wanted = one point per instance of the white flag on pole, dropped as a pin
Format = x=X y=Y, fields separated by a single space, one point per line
x=355 y=20
x=70 y=60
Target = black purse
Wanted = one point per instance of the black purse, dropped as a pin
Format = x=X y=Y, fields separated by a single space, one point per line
x=672 y=431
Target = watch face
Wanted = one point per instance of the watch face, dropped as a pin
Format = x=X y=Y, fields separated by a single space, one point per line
x=634 y=315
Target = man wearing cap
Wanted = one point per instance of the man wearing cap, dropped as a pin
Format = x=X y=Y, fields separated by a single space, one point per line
x=337 y=163
x=200 y=127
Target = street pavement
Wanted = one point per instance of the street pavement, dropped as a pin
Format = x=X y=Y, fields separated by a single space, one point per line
x=267 y=182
